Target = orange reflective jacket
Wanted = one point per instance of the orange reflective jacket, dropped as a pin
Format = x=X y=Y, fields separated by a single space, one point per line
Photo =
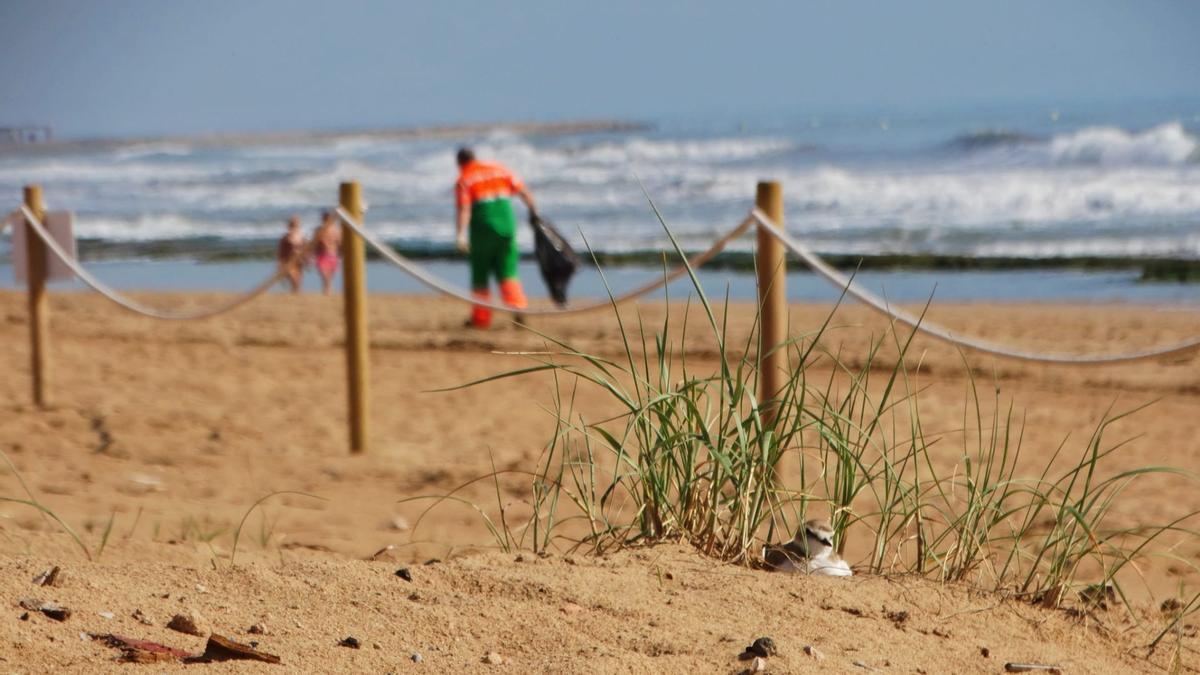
x=485 y=181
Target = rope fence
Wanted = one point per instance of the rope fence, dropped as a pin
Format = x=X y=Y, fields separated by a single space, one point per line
x=126 y=302
x=433 y=282
x=770 y=260
x=852 y=288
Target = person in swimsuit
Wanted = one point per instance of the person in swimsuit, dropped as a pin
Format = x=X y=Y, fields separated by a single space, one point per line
x=328 y=241
x=290 y=247
x=487 y=231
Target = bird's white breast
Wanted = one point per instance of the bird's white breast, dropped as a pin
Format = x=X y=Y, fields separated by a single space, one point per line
x=832 y=567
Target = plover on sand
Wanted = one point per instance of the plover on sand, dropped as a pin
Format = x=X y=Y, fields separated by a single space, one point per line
x=810 y=552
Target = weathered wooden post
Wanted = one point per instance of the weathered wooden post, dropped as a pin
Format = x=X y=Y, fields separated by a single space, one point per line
x=39 y=314
x=770 y=262
x=354 y=293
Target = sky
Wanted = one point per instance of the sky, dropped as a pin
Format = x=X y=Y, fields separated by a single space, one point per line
x=156 y=67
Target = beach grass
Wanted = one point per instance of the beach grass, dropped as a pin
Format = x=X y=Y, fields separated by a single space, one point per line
x=691 y=458
x=695 y=456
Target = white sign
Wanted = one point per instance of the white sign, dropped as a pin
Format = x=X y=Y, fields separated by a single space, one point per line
x=61 y=225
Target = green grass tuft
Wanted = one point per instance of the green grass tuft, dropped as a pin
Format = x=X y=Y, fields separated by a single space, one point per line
x=691 y=457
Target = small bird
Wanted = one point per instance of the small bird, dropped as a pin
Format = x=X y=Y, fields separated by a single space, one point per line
x=810 y=552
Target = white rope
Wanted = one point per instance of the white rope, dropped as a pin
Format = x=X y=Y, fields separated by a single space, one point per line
x=814 y=261
x=840 y=280
x=393 y=256
x=133 y=305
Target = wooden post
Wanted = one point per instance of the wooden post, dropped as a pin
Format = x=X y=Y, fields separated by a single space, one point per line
x=39 y=314
x=770 y=261
x=354 y=293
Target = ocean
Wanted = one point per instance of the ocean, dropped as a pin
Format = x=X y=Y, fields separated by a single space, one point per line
x=1026 y=182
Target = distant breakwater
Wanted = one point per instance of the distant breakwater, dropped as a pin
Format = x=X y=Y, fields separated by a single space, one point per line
x=226 y=140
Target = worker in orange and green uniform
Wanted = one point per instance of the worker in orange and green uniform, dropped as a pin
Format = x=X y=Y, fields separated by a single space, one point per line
x=487 y=231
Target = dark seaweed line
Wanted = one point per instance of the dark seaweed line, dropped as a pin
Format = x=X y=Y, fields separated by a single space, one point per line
x=215 y=249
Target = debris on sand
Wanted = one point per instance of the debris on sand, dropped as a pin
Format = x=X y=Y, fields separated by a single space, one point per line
x=218 y=648
x=493 y=659
x=49 y=609
x=404 y=574
x=383 y=552
x=416 y=657
x=351 y=642
x=1170 y=606
x=47 y=578
x=1099 y=595
x=764 y=647
x=221 y=648
x=1051 y=598
x=814 y=653
x=141 y=651
x=190 y=622
x=757 y=665
x=141 y=484
x=258 y=629
x=1031 y=667
x=142 y=618
x=760 y=648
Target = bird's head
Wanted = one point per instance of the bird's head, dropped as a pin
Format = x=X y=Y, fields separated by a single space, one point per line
x=817 y=536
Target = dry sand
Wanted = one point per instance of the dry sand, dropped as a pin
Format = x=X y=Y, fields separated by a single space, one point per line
x=172 y=431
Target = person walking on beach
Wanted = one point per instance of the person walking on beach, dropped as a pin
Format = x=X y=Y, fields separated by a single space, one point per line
x=290 y=253
x=486 y=231
x=328 y=243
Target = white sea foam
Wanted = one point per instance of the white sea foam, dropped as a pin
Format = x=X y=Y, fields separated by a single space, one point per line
x=1187 y=246
x=97 y=171
x=1133 y=187
x=1163 y=145
x=167 y=226
x=1166 y=144
x=833 y=198
x=711 y=150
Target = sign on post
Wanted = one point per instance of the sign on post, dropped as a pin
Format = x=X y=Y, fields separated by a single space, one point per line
x=61 y=226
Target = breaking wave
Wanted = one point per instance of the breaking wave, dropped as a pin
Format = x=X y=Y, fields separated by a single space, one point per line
x=1168 y=144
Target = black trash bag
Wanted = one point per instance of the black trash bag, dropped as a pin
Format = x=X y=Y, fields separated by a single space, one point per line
x=556 y=259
